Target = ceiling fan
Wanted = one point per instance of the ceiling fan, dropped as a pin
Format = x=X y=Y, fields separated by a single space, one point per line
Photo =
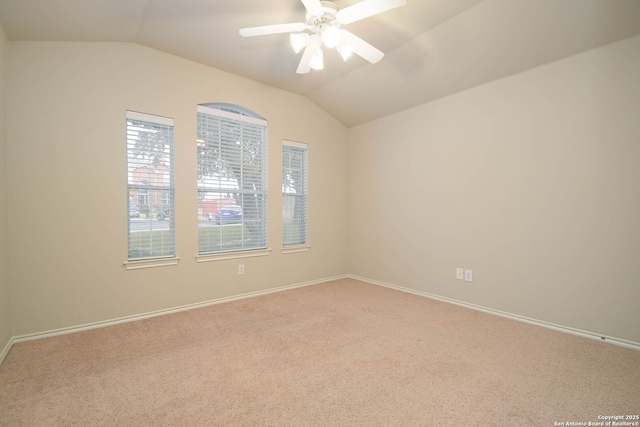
x=322 y=26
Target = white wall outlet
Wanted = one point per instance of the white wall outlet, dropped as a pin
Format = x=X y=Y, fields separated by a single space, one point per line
x=240 y=269
x=459 y=273
x=468 y=276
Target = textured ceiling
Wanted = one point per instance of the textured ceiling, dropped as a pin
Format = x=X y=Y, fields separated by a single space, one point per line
x=433 y=47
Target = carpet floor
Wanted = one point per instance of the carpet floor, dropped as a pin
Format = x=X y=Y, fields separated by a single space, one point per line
x=341 y=353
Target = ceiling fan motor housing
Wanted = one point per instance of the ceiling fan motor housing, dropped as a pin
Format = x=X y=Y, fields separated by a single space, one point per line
x=327 y=18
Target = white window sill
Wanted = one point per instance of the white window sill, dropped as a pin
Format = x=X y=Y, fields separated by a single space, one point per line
x=151 y=263
x=232 y=255
x=296 y=249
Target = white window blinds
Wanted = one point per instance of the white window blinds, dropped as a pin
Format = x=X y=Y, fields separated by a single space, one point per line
x=232 y=179
x=151 y=230
x=294 y=193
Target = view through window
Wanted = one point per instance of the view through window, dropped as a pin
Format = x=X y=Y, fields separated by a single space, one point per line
x=150 y=186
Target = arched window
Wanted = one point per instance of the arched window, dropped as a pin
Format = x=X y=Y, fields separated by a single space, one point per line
x=232 y=178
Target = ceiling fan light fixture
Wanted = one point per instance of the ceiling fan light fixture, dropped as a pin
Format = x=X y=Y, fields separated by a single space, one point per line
x=317 y=60
x=322 y=26
x=299 y=41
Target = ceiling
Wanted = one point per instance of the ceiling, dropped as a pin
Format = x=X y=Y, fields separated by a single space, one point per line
x=433 y=48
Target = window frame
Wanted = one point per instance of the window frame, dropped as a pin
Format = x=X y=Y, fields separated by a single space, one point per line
x=289 y=243
x=220 y=119
x=157 y=182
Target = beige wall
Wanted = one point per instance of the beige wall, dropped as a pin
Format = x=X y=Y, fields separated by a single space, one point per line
x=5 y=308
x=67 y=183
x=531 y=181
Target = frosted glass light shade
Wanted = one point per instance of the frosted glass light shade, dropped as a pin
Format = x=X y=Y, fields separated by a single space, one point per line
x=317 y=60
x=299 y=41
x=330 y=36
x=345 y=50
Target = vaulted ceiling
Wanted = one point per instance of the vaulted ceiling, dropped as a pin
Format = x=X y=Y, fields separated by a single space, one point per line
x=433 y=48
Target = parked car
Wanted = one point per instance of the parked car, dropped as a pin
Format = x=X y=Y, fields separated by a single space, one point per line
x=163 y=215
x=231 y=214
x=134 y=210
x=211 y=207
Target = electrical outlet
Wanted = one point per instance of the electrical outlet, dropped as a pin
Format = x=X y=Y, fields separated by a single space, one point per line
x=468 y=276
x=240 y=269
x=459 y=273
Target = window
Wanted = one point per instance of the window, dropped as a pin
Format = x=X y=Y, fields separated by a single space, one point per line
x=232 y=179
x=294 y=194
x=150 y=186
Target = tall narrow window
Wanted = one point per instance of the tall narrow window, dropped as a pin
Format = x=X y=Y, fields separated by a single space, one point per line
x=232 y=179
x=294 y=194
x=150 y=186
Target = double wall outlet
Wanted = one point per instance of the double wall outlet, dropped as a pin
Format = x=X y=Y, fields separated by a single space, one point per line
x=464 y=274
x=240 y=269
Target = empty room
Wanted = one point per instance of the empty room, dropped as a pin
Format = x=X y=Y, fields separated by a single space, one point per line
x=312 y=213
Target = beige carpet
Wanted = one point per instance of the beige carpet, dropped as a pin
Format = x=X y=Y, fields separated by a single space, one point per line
x=343 y=353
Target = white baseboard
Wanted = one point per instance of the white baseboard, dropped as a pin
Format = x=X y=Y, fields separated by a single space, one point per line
x=5 y=350
x=112 y=322
x=560 y=328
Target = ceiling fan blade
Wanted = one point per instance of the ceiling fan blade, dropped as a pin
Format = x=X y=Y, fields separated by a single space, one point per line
x=272 y=29
x=367 y=8
x=305 y=62
x=314 y=7
x=361 y=47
